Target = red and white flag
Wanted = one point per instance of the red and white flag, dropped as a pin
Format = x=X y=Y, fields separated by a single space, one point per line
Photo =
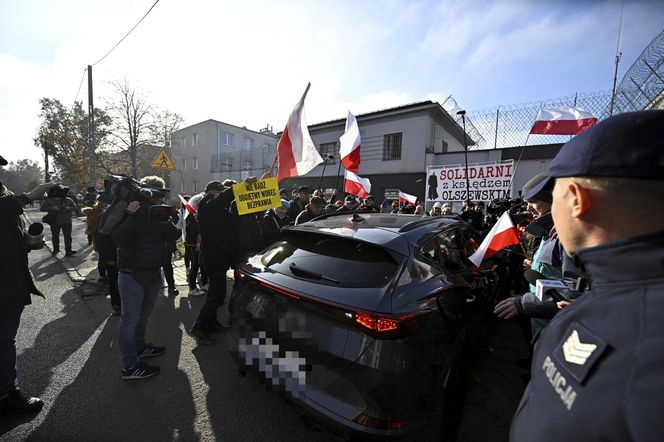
x=562 y=121
x=296 y=153
x=356 y=185
x=187 y=206
x=501 y=235
x=349 y=145
x=405 y=197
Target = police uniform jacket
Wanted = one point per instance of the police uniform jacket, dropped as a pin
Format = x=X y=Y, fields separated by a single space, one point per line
x=598 y=367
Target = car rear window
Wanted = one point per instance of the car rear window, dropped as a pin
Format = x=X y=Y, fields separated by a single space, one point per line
x=332 y=261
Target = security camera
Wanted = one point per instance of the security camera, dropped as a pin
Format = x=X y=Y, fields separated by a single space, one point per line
x=461 y=112
x=328 y=156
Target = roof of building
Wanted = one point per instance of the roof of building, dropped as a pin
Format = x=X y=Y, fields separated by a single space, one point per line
x=267 y=134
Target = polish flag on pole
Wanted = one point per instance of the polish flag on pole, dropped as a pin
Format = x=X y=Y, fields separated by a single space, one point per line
x=501 y=235
x=562 y=121
x=187 y=206
x=410 y=199
x=349 y=145
x=296 y=153
x=356 y=185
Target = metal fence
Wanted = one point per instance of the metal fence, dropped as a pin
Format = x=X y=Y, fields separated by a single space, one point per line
x=642 y=87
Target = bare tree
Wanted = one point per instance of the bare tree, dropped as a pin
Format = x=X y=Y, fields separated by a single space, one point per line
x=132 y=121
x=164 y=124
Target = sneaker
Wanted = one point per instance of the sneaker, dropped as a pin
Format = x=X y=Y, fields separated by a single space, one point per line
x=116 y=310
x=151 y=350
x=172 y=291
x=18 y=402
x=201 y=336
x=215 y=326
x=55 y=252
x=205 y=287
x=139 y=371
x=196 y=292
x=70 y=252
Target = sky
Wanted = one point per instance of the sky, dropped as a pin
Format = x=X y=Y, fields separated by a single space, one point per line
x=246 y=62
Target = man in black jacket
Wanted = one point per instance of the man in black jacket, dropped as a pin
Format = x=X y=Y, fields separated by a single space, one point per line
x=299 y=203
x=15 y=291
x=215 y=224
x=141 y=245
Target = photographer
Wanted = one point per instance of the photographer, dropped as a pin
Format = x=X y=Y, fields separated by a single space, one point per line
x=15 y=290
x=60 y=209
x=142 y=239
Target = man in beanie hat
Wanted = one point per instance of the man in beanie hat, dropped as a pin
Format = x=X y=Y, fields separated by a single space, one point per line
x=597 y=366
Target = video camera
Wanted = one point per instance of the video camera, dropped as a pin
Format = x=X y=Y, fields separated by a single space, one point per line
x=58 y=192
x=128 y=189
x=517 y=209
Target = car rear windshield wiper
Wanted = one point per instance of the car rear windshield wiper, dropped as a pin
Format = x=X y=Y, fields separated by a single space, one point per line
x=308 y=273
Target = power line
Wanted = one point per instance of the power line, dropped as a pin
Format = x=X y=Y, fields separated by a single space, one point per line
x=127 y=35
x=85 y=71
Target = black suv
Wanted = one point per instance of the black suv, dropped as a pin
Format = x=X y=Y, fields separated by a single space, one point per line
x=361 y=319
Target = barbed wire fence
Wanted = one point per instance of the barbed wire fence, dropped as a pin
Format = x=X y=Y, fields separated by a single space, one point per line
x=642 y=87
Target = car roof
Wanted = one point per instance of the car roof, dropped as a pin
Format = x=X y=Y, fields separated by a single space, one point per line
x=392 y=231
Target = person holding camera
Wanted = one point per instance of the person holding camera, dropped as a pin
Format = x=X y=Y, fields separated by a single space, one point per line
x=142 y=239
x=15 y=290
x=60 y=209
x=597 y=367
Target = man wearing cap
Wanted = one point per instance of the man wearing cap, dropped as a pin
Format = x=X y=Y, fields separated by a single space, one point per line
x=216 y=254
x=273 y=221
x=15 y=290
x=368 y=205
x=298 y=204
x=350 y=203
x=547 y=259
x=312 y=210
x=597 y=367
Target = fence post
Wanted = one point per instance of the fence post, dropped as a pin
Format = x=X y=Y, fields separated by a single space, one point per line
x=495 y=139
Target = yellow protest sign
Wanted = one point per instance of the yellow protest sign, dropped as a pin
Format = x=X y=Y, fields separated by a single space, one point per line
x=162 y=161
x=256 y=197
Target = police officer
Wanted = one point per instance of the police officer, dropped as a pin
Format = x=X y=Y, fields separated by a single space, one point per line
x=598 y=367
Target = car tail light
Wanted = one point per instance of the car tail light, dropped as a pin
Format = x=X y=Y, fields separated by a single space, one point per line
x=373 y=422
x=376 y=323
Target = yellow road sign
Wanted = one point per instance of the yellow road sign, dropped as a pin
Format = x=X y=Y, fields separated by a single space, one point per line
x=162 y=161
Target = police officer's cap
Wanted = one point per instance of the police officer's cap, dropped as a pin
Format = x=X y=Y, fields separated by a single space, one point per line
x=629 y=145
x=543 y=195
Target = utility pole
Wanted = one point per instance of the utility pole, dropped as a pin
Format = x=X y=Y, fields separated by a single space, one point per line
x=91 y=132
x=618 y=57
x=465 y=151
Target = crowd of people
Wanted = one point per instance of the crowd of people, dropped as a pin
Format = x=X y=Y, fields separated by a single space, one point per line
x=597 y=363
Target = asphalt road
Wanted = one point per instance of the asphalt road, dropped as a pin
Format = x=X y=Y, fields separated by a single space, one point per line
x=69 y=356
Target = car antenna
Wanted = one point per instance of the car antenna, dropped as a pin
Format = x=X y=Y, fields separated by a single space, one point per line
x=357 y=218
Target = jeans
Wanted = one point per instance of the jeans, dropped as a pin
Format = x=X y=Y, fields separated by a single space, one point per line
x=55 y=236
x=10 y=317
x=214 y=298
x=137 y=303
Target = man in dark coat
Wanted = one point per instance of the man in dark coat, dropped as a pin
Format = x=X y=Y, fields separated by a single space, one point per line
x=299 y=204
x=312 y=210
x=15 y=291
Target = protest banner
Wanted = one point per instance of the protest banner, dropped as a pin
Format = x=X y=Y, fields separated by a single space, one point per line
x=257 y=196
x=487 y=181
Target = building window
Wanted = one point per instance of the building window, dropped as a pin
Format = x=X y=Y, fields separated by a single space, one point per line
x=184 y=141
x=248 y=143
x=392 y=147
x=194 y=187
x=194 y=140
x=329 y=149
x=183 y=164
x=183 y=187
x=194 y=163
x=227 y=139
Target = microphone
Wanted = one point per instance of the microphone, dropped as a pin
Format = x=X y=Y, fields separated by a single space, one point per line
x=532 y=276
